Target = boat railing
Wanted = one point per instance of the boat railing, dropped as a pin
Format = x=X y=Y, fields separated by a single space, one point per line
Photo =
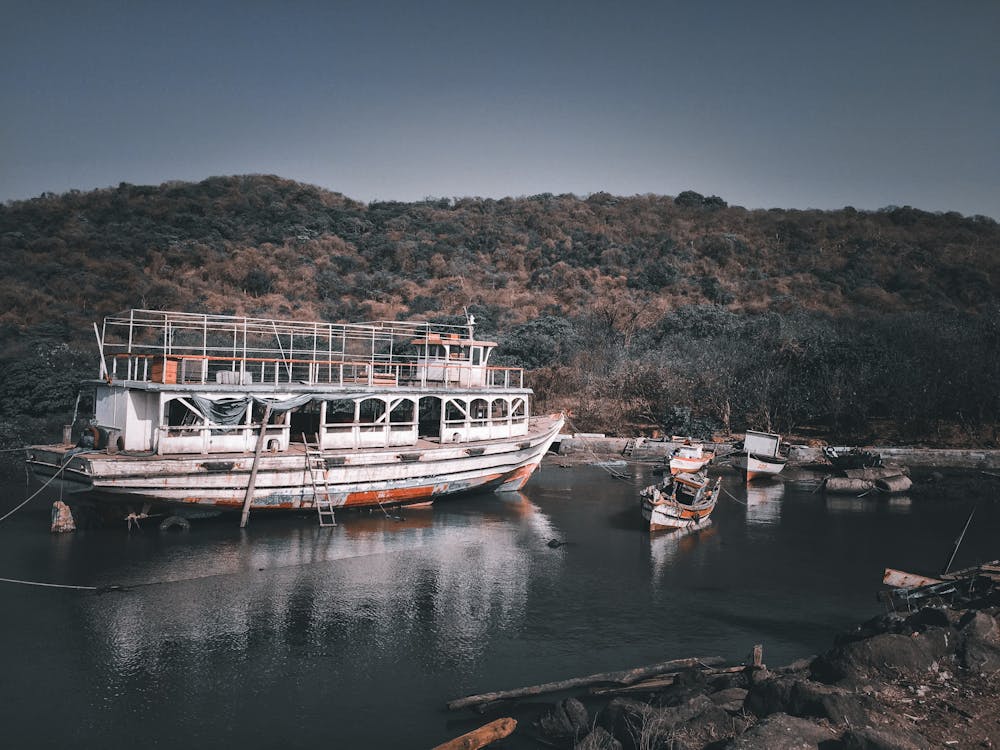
x=184 y=348
x=197 y=369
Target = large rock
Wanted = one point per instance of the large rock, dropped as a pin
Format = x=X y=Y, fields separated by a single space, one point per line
x=783 y=732
x=567 y=720
x=707 y=728
x=880 y=739
x=887 y=654
x=730 y=699
x=980 y=644
x=802 y=698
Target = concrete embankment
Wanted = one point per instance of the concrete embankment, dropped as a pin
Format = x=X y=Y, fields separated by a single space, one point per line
x=645 y=448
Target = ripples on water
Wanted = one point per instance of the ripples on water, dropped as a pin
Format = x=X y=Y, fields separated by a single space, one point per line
x=288 y=634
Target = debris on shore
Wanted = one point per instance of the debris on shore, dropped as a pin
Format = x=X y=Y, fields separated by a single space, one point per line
x=921 y=679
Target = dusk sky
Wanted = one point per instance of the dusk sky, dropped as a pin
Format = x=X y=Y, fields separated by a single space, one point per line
x=766 y=104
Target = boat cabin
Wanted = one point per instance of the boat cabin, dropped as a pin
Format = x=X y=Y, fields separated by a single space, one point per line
x=174 y=383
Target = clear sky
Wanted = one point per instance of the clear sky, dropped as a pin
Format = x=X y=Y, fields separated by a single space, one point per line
x=766 y=104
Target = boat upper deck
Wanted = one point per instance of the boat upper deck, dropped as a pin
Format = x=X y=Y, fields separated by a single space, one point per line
x=155 y=346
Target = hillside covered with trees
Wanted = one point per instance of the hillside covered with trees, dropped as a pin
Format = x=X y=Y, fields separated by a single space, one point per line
x=635 y=313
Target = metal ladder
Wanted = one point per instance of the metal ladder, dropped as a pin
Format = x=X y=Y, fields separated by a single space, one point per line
x=629 y=448
x=316 y=462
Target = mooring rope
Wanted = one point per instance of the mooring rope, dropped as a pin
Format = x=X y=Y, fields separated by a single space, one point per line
x=732 y=496
x=50 y=585
x=597 y=459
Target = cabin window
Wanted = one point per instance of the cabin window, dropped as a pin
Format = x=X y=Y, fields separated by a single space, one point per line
x=478 y=410
x=519 y=411
x=305 y=420
x=401 y=416
x=178 y=416
x=277 y=417
x=477 y=355
x=371 y=411
x=499 y=410
x=454 y=411
x=339 y=411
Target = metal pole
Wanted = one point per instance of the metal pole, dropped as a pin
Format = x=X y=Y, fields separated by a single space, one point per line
x=958 y=541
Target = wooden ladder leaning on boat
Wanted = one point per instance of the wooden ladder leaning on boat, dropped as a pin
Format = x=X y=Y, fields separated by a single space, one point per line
x=316 y=462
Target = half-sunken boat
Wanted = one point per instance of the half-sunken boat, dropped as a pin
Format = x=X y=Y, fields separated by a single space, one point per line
x=759 y=455
x=689 y=458
x=680 y=501
x=211 y=411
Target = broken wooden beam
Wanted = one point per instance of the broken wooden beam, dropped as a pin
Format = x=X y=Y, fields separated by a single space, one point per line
x=625 y=677
x=656 y=683
x=477 y=738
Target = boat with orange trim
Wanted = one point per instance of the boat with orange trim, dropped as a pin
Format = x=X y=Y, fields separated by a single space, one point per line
x=196 y=412
x=680 y=501
x=689 y=458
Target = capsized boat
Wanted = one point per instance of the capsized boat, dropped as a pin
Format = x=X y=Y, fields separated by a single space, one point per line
x=689 y=458
x=201 y=412
x=759 y=455
x=680 y=501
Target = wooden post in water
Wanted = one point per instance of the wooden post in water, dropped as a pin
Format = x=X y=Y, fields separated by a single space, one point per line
x=253 y=470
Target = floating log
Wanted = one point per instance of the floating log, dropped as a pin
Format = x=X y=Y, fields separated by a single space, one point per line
x=626 y=677
x=893 y=485
x=477 y=738
x=847 y=485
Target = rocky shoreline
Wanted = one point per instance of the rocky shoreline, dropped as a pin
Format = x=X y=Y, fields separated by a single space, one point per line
x=926 y=679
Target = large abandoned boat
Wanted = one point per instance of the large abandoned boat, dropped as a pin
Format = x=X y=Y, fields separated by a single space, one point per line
x=231 y=412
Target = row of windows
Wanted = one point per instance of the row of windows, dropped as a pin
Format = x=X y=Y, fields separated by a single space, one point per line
x=373 y=411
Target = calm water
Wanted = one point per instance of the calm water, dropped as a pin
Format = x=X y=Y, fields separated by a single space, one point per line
x=287 y=635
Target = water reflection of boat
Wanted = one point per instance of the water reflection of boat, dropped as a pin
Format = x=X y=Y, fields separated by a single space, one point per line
x=849 y=504
x=666 y=549
x=429 y=571
x=900 y=504
x=680 y=501
x=764 y=502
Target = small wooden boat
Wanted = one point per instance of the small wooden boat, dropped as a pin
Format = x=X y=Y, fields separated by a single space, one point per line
x=690 y=458
x=681 y=501
x=759 y=456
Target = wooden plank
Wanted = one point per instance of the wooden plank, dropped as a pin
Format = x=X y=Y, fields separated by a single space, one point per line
x=625 y=677
x=253 y=471
x=477 y=738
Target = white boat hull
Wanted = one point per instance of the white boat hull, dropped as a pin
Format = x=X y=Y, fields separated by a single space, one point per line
x=353 y=479
x=758 y=466
x=668 y=517
x=684 y=465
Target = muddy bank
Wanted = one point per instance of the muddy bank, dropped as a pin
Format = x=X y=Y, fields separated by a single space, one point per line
x=901 y=681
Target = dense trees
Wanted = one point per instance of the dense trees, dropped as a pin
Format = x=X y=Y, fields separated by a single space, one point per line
x=681 y=314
